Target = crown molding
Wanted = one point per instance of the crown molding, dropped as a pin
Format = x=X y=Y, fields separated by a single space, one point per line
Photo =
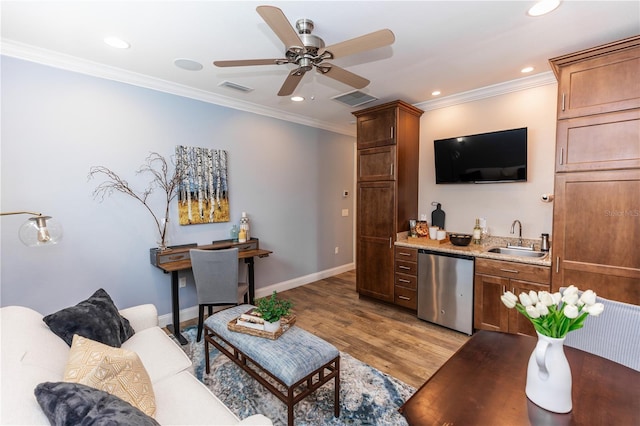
x=541 y=79
x=82 y=66
x=75 y=64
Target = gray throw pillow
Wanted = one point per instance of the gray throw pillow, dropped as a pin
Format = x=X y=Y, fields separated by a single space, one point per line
x=96 y=318
x=67 y=404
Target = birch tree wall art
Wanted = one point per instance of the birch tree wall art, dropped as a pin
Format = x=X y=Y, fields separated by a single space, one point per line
x=203 y=193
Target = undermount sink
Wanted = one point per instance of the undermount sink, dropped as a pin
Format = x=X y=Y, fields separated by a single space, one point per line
x=517 y=252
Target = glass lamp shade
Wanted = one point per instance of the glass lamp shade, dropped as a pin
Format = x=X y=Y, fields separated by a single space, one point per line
x=40 y=231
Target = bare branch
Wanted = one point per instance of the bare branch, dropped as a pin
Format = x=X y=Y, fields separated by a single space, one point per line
x=157 y=166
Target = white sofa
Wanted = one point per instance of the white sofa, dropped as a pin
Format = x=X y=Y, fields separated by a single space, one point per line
x=31 y=354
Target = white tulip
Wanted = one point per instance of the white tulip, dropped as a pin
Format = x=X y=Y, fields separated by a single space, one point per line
x=532 y=311
x=595 y=309
x=525 y=299
x=534 y=297
x=570 y=290
x=557 y=297
x=571 y=311
x=570 y=299
x=546 y=298
x=542 y=309
x=509 y=299
x=588 y=297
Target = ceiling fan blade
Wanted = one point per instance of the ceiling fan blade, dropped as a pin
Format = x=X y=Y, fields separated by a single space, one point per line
x=290 y=84
x=369 y=41
x=280 y=25
x=343 y=76
x=247 y=62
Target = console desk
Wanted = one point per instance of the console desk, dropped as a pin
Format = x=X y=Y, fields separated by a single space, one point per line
x=177 y=259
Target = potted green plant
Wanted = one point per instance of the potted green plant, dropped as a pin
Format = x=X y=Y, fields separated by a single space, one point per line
x=272 y=309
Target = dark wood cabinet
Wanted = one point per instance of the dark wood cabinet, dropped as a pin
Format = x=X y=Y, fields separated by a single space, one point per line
x=599 y=80
x=387 y=194
x=376 y=127
x=602 y=142
x=596 y=216
x=597 y=233
x=492 y=279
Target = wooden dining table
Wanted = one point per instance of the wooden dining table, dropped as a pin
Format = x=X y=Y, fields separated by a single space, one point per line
x=483 y=384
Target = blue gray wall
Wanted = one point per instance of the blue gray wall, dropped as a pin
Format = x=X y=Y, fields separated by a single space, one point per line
x=56 y=124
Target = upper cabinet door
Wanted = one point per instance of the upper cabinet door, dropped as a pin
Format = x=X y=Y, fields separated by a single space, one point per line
x=601 y=142
x=376 y=164
x=599 y=80
x=377 y=128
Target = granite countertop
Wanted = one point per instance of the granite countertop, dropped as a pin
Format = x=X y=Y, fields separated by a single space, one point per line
x=477 y=250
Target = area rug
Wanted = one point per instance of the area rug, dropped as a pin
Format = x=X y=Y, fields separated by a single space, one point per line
x=367 y=395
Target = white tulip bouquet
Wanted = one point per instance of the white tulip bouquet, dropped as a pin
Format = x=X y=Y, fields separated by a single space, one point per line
x=555 y=315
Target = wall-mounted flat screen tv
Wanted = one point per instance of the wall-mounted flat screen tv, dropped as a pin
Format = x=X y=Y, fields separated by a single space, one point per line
x=483 y=158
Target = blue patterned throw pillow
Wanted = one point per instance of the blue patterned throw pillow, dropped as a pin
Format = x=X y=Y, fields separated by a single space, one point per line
x=75 y=404
x=96 y=318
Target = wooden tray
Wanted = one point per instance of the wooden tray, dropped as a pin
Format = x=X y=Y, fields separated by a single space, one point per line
x=428 y=241
x=285 y=324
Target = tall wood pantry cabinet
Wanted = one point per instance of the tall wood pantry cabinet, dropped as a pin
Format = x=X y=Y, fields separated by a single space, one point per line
x=387 y=192
x=596 y=216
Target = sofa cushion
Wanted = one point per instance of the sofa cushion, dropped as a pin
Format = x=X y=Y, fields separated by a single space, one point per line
x=161 y=356
x=75 y=404
x=207 y=409
x=114 y=370
x=96 y=318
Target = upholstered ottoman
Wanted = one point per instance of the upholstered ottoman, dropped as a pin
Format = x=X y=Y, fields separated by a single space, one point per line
x=291 y=367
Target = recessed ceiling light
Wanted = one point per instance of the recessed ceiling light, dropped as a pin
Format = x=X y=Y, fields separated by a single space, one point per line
x=297 y=98
x=188 y=64
x=435 y=93
x=116 y=43
x=526 y=70
x=543 y=7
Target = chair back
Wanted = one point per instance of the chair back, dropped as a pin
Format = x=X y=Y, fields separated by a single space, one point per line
x=216 y=275
x=614 y=335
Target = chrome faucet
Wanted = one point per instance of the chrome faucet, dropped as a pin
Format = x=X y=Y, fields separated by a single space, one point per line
x=513 y=226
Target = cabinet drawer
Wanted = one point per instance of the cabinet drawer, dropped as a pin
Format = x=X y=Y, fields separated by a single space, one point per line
x=404 y=267
x=406 y=297
x=406 y=253
x=513 y=270
x=408 y=281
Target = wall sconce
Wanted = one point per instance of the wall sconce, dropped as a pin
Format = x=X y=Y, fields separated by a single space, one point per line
x=38 y=230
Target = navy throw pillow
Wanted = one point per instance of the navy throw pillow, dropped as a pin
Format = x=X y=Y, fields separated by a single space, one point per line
x=75 y=404
x=96 y=318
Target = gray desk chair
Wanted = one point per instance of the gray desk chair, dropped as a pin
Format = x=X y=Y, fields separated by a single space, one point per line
x=216 y=277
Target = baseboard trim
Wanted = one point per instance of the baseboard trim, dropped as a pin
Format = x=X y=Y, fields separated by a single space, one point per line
x=192 y=312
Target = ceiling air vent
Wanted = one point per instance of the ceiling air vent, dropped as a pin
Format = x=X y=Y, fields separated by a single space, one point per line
x=355 y=98
x=235 y=86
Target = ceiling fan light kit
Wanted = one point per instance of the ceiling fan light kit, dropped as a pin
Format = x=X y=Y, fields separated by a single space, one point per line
x=306 y=51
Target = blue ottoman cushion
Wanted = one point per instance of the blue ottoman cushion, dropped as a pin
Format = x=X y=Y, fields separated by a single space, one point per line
x=291 y=357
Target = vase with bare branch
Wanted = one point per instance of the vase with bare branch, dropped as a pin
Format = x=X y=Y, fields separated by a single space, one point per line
x=162 y=178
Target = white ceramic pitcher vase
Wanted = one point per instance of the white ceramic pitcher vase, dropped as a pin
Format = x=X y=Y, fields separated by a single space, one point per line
x=549 y=376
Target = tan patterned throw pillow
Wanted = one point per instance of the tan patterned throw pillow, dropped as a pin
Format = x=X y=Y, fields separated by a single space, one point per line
x=114 y=370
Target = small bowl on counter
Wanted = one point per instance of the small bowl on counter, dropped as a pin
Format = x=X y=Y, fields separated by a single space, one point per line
x=460 y=239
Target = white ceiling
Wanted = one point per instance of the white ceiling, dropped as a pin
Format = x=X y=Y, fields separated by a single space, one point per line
x=456 y=47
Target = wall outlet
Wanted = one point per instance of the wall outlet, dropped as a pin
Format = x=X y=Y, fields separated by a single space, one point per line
x=182 y=282
x=337 y=250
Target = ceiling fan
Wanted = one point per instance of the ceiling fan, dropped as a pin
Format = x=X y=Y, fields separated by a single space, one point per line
x=307 y=51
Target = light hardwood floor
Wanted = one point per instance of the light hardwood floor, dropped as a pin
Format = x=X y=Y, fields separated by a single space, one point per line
x=389 y=338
